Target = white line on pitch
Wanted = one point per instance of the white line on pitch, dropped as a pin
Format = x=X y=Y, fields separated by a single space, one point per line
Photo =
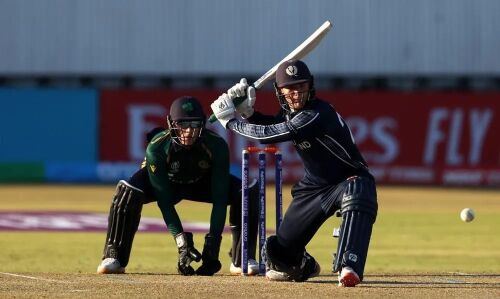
x=122 y=279
x=32 y=277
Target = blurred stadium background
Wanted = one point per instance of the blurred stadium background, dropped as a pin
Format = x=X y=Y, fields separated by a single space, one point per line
x=81 y=82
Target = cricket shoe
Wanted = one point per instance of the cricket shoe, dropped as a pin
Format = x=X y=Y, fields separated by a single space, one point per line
x=253 y=268
x=110 y=266
x=309 y=269
x=274 y=275
x=313 y=271
x=348 y=278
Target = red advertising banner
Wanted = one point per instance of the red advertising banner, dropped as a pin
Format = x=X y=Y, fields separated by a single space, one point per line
x=445 y=138
x=426 y=137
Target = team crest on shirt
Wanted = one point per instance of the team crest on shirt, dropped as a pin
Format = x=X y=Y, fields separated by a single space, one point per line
x=203 y=164
x=153 y=167
x=175 y=166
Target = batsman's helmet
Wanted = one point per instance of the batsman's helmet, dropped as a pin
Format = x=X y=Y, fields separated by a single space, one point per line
x=185 y=112
x=289 y=73
x=292 y=72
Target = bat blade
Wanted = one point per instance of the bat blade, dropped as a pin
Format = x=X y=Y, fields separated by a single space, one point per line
x=298 y=53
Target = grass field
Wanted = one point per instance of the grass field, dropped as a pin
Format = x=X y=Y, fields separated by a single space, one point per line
x=418 y=234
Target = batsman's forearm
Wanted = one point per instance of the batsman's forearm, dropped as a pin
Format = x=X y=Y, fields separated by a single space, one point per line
x=265 y=134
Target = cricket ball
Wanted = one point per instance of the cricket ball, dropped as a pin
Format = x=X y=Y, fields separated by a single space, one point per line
x=467 y=215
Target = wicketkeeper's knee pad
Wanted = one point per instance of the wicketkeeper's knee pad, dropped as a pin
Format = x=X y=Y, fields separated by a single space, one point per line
x=359 y=211
x=123 y=222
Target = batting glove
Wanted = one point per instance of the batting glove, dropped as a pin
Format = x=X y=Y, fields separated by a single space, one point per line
x=243 y=97
x=223 y=109
x=238 y=90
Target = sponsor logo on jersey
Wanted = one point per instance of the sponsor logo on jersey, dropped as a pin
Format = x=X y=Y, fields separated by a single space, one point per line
x=175 y=166
x=203 y=164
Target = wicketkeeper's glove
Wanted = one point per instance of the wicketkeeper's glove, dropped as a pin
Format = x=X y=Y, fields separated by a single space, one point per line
x=210 y=256
x=187 y=253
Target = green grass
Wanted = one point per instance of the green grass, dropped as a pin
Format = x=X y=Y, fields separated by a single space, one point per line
x=417 y=230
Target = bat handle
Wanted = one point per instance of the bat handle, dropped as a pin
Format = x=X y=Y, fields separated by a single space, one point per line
x=236 y=102
x=212 y=118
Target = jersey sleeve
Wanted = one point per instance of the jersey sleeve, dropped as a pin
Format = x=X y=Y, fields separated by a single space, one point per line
x=157 y=170
x=262 y=119
x=303 y=122
x=219 y=184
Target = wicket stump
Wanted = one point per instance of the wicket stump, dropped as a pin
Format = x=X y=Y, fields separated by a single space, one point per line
x=262 y=200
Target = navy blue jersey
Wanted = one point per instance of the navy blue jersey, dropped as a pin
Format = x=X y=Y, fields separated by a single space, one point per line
x=320 y=135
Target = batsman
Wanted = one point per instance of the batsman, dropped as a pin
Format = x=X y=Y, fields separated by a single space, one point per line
x=185 y=161
x=336 y=176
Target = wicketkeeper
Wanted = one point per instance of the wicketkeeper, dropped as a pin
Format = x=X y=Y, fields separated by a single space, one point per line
x=336 y=175
x=185 y=161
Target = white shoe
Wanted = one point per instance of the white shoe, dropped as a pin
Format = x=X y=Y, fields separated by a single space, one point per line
x=274 y=275
x=110 y=266
x=253 y=268
x=348 y=278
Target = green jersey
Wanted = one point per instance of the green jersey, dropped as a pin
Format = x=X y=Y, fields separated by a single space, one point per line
x=204 y=165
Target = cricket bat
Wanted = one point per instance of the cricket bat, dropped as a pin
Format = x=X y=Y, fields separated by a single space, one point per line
x=298 y=53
